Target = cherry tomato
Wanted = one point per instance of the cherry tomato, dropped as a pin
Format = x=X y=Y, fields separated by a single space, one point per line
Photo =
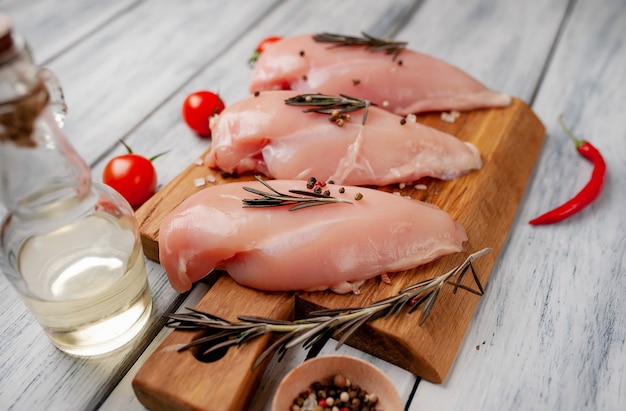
x=260 y=48
x=267 y=41
x=131 y=175
x=198 y=108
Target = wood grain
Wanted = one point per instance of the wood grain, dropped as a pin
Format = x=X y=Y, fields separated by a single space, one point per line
x=485 y=202
x=171 y=380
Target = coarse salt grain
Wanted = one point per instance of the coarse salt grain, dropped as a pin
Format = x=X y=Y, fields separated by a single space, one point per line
x=198 y=162
x=210 y=178
x=420 y=186
x=451 y=116
x=412 y=118
x=199 y=182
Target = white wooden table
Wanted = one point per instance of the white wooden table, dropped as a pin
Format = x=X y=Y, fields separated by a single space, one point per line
x=550 y=331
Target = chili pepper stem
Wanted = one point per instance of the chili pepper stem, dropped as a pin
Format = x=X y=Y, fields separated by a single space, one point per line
x=569 y=133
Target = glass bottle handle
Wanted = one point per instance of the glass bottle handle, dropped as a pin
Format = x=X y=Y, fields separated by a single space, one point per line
x=57 y=104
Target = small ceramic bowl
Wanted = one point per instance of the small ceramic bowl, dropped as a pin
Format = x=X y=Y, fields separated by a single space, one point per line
x=360 y=372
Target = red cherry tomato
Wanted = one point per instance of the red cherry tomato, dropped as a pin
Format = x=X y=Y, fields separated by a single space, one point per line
x=131 y=175
x=260 y=48
x=267 y=41
x=198 y=108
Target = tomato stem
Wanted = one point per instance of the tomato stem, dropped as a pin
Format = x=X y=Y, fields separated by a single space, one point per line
x=158 y=155
x=127 y=147
x=130 y=151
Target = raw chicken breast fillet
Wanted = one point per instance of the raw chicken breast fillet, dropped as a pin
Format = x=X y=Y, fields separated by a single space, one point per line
x=315 y=248
x=265 y=135
x=412 y=83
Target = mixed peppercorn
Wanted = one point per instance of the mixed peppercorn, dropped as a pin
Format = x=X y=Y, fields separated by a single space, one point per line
x=337 y=394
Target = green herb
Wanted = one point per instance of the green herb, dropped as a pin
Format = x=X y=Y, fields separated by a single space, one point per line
x=370 y=43
x=337 y=106
x=274 y=198
x=323 y=324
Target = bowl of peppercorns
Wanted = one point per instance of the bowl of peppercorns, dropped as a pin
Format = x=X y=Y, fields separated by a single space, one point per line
x=336 y=383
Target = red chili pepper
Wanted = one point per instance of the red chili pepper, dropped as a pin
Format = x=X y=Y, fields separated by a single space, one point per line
x=591 y=190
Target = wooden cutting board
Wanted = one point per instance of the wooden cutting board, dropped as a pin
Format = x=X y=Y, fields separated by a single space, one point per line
x=484 y=202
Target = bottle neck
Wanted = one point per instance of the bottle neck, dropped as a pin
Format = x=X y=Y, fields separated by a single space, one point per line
x=40 y=173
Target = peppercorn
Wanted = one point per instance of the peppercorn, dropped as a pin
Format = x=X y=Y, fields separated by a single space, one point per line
x=339 y=381
x=310 y=183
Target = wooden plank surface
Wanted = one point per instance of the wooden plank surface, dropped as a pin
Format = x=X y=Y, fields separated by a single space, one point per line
x=55 y=27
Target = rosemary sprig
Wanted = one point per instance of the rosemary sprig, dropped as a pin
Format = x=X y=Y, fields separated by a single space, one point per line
x=323 y=324
x=370 y=43
x=274 y=198
x=337 y=106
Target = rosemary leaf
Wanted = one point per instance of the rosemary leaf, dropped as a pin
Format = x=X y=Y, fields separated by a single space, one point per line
x=251 y=334
x=318 y=341
x=274 y=347
x=416 y=303
x=209 y=339
x=262 y=320
x=305 y=336
x=476 y=280
x=370 y=43
x=429 y=303
x=275 y=198
x=352 y=327
x=398 y=305
x=466 y=288
x=337 y=107
x=218 y=346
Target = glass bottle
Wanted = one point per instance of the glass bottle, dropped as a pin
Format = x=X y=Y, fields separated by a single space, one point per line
x=69 y=246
